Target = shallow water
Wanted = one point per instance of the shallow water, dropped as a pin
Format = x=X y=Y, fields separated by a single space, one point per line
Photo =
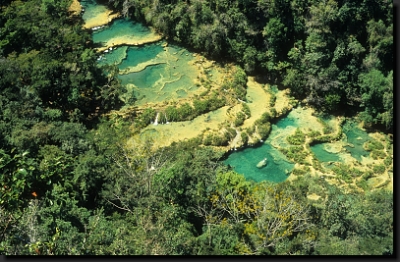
x=245 y=162
x=121 y=28
x=322 y=155
x=278 y=166
x=92 y=9
x=357 y=137
x=115 y=56
x=136 y=55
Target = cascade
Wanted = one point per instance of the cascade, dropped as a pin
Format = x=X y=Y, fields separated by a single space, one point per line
x=156 y=120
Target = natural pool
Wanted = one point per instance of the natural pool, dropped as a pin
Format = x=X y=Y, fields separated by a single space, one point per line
x=157 y=72
x=323 y=155
x=356 y=137
x=245 y=162
x=278 y=166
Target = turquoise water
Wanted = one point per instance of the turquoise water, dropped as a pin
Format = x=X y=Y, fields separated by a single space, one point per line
x=146 y=78
x=278 y=167
x=356 y=137
x=285 y=122
x=92 y=9
x=137 y=55
x=322 y=155
x=120 y=28
x=245 y=162
x=115 y=56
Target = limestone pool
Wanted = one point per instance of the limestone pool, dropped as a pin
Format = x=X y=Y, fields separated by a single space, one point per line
x=155 y=71
x=278 y=166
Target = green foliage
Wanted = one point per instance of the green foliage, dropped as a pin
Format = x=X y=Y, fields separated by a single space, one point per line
x=371 y=145
x=239 y=120
x=343 y=171
x=181 y=200
x=379 y=169
x=298 y=138
x=295 y=153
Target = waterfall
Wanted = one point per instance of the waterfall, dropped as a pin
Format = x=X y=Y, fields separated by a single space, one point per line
x=156 y=120
x=166 y=119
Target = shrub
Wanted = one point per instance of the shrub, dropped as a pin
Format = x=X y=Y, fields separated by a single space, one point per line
x=298 y=138
x=185 y=112
x=200 y=107
x=207 y=141
x=239 y=120
x=172 y=113
x=245 y=137
x=379 y=169
x=378 y=154
x=313 y=134
x=246 y=110
x=272 y=100
x=263 y=130
x=273 y=112
x=388 y=161
x=372 y=145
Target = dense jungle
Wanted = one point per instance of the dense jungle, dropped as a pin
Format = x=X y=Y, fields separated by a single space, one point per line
x=126 y=127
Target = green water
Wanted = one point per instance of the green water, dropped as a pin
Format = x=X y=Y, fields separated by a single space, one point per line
x=322 y=155
x=356 y=137
x=146 y=78
x=278 y=166
x=137 y=55
x=159 y=74
x=119 y=28
x=92 y=9
x=286 y=122
x=245 y=162
x=115 y=56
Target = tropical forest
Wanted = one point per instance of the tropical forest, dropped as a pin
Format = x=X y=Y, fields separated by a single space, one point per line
x=196 y=127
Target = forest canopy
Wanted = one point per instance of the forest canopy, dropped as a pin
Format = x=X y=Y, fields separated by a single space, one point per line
x=68 y=185
x=323 y=50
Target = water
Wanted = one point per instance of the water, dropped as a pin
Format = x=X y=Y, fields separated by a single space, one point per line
x=278 y=166
x=286 y=122
x=144 y=79
x=137 y=55
x=357 y=137
x=322 y=155
x=115 y=56
x=245 y=162
x=92 y=9
x=120 y=29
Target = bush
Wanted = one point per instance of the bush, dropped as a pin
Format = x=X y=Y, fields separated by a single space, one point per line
x=273 y=112
x=263 y=130
x=272 y=100
x=298 y=138
x=265 y=118
x=185 y=112
x=372 y=145
x=313 y=134
x=172 y=113
x=200 y=107
x=219 y=141
x=245 y=137
x=379 y=169
x=239 y=120
x=388 y=161
x=378 y=154
x=207 y=141
x=246 y=110
x=295 y=153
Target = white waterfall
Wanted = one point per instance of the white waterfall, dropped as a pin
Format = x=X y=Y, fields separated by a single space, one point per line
x=156 y=121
